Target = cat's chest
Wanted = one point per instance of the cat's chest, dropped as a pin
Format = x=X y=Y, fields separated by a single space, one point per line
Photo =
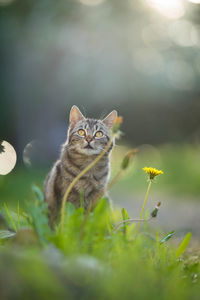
x=93 y=180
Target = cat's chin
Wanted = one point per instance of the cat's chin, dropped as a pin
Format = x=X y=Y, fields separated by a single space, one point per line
x=89 y=151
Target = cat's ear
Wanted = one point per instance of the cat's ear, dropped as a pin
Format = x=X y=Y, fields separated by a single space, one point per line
x=110 y=119
x=75 y=116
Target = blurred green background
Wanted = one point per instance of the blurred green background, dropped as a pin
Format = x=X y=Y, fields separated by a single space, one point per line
x=141 y=58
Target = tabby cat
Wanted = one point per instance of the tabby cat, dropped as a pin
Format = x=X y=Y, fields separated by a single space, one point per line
x=85 y=141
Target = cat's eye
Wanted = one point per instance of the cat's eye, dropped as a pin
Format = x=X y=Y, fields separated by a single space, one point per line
x=81 y=132
x=99 y=134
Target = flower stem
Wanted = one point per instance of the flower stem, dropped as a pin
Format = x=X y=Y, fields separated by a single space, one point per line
x=91 y=165
x=144 y=203
x=114 y=180
x=131 y=221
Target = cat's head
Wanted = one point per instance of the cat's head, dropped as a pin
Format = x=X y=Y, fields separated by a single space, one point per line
x=89 y=136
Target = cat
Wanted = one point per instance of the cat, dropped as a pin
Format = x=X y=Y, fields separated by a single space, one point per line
x=86 y=139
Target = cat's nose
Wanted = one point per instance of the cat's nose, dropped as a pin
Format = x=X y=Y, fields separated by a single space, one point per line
x=89 y=138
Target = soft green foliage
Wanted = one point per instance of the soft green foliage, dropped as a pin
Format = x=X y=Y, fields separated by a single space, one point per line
x=20 y=180
x=180 y=164
x=10 y=217
x=89 y=259
x=125 y=215
x=38 y=216
x=183 y=244
x=167 y=237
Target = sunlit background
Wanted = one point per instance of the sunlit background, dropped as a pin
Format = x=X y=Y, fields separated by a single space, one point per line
x=139 y=57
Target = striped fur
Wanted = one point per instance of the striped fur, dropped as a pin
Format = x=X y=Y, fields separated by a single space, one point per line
x=76 y=154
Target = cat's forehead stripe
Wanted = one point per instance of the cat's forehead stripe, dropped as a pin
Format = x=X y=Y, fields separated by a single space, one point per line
x=91 y=123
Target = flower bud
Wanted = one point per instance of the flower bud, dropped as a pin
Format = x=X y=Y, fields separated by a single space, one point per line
x=117 y=124
x=128 y=156
x=155 y=211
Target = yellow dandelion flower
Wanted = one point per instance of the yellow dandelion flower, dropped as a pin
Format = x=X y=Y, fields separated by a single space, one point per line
x=152 y=172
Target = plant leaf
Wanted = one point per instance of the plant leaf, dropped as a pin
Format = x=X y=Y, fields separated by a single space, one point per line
x=167 y=237
x=4 y=234
x=10 y=217
x=183 y=245
x=18 y=215
x=38 y=193
x=125 y=215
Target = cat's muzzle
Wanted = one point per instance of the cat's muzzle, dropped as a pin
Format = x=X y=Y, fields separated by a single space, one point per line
x=88 y=146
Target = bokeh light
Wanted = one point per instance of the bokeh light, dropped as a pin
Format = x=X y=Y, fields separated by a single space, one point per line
x=8 y=158
x=148 y=61
x=172 y=9
x=5 y=2
x=195 y=1
x=197 y=63
x=180 y=74
x=183 y=33
x=117 y=54
x=34 y=154
x=153 y=36
x=91 y=2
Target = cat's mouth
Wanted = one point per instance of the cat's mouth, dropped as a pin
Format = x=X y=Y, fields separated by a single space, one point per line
x=88 y=147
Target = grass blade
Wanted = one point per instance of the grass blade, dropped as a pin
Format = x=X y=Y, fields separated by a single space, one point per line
x=10 y=217
x=183 y=245
x=18 y=214
x=167 y=237
x=125 y=215
x=38 y=193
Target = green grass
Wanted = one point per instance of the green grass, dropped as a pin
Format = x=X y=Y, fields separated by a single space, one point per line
x=16 y=186
x=89 y=258
x=179 y=163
